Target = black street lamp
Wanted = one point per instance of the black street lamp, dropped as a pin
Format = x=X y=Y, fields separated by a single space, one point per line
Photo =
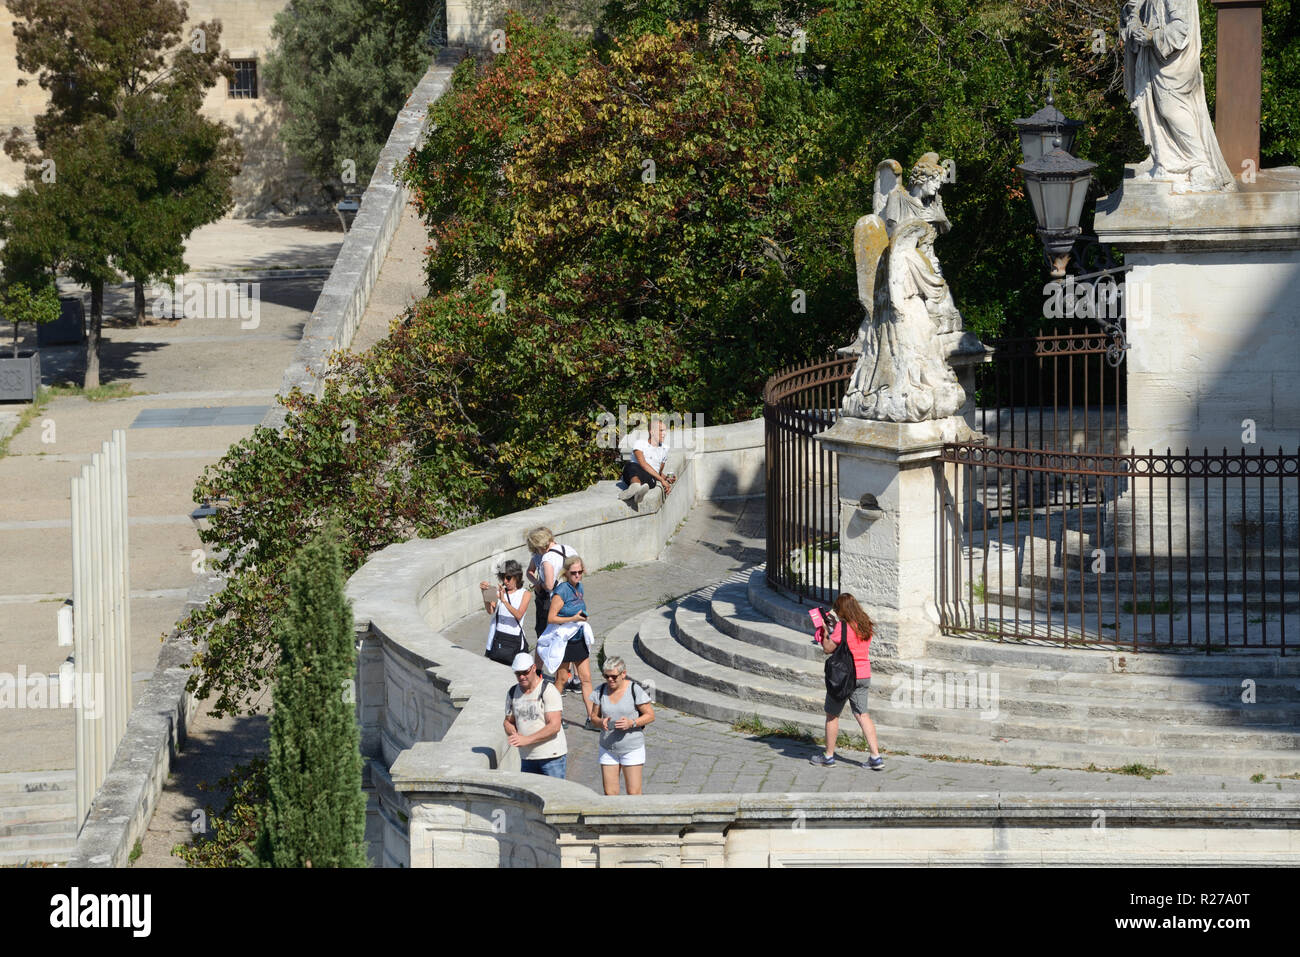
x=1057 y=184
x=1037 y=132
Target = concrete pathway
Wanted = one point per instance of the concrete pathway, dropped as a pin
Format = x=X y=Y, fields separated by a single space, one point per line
x=692 y=755
x=216 y=745
x=168 y=366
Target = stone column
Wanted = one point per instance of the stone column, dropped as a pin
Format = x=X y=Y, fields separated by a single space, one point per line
x=1213 y=327
x=889 y=547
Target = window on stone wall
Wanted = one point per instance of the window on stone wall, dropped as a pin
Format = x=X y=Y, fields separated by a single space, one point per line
x=244 y=85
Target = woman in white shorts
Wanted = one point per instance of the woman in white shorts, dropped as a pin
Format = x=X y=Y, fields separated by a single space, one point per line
x=621 y=708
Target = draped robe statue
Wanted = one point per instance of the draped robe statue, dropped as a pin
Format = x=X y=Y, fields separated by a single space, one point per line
x=903 y=373
x=1162 y=78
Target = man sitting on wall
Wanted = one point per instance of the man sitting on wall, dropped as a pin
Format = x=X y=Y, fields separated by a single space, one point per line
x=644 y=470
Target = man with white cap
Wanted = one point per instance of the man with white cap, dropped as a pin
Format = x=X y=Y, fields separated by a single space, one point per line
x=533 y=720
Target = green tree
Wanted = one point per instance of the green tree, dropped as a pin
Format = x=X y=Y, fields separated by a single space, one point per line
x=316 y=811
x=344 y=68
x=35 y=301
x=124 y=88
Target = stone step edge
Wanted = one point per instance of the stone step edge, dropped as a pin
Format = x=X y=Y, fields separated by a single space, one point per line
x=788 y=612
x=662 y=645
x=960 y=748
x=19 y=782
x=731 y=618
x=695 y=631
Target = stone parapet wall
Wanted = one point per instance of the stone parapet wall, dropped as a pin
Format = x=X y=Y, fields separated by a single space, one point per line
x=343 y=298
x=156 y=729
x=505 y=819
x=416 y=688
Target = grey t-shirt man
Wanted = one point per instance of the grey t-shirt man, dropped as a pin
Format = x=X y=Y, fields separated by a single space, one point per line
x=615 y=741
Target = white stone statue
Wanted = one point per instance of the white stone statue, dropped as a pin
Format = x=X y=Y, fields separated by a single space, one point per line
x=1162 y=78
x=903 y=373
x=892 y=206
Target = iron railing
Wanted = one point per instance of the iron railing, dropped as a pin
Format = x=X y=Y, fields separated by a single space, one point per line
x=802 y=481
x=1177 y=551
x=1054 y=391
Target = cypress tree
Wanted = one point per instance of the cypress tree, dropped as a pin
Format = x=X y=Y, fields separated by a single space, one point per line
x=316 y=812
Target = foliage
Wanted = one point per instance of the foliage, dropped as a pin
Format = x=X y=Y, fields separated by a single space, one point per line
x=344 y=69
x=565 y=281
x=35 y=301
x=123 y=167
x=315 y=814
x=232 y=833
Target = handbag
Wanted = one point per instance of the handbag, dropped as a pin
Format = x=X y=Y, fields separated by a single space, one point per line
x=841 y=670
x=504 y=647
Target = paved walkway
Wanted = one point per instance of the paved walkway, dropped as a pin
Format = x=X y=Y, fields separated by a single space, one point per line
x=693 y=755
x=216 y=745
x=169 y=366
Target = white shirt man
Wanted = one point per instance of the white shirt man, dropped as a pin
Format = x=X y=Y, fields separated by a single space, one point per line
x=645 y=470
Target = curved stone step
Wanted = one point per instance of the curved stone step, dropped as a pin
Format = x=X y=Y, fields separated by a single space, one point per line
x=1253 y=665
x=1015 y=697
x=697 y=634
x=1246 y=664
x=693 y=699
x=20 y=829
x=732 y=613
x=659 y=648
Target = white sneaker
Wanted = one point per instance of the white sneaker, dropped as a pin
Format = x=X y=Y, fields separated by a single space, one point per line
x=642 y=490
x=628 y=492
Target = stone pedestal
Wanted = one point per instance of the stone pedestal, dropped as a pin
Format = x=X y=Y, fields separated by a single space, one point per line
x=889 y=550
x=1213 y=326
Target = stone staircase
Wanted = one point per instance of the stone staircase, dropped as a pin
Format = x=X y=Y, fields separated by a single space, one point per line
x=739 y=649
x=37 y=809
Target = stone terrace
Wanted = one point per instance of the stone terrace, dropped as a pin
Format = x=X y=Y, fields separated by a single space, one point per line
x=694 y=755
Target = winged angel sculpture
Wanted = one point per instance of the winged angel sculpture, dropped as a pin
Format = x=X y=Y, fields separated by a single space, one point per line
x=912 y=326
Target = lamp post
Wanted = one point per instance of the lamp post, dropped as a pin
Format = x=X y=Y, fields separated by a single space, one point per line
x=1037 y=132
x=1057 y=184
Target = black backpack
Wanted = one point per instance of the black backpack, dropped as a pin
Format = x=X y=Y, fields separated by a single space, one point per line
x=516 y=692
x=841 y=670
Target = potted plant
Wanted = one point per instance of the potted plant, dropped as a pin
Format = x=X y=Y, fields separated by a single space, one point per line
x=34 y=300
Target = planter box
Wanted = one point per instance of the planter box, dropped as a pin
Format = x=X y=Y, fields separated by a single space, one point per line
x=20 y=377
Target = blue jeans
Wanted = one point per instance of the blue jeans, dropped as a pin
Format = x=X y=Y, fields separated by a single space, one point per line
x=551 y=767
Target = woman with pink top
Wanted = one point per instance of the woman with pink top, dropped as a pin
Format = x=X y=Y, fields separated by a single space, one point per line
x=853 y=622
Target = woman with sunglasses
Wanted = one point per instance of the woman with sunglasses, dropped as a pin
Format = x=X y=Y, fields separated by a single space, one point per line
x=567 y=639
x=621 y=708
x=507 y=610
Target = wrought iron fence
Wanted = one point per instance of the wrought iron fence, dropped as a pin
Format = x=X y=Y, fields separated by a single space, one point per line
x=802 y=481
x=1172 y=551
x=1060 y=390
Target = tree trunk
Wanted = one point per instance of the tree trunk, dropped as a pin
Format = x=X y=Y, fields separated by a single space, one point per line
x=93 y=336
x=139 y=302
x=15 y=340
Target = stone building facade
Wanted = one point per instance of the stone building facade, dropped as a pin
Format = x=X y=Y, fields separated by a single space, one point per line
x=271 y=183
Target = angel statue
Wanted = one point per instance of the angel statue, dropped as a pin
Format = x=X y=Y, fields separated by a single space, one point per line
x=903 y=373
x=892 y=206
x=1166 y=91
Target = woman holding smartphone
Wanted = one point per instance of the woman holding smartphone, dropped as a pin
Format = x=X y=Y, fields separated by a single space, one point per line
x=568 y=636
x=507 y=604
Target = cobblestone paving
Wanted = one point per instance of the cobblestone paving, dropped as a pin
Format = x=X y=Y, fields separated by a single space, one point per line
x=694 y=755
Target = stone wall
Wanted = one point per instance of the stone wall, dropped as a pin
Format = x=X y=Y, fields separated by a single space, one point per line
x=123 y=806
x=509 y=819
x=417 y=689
